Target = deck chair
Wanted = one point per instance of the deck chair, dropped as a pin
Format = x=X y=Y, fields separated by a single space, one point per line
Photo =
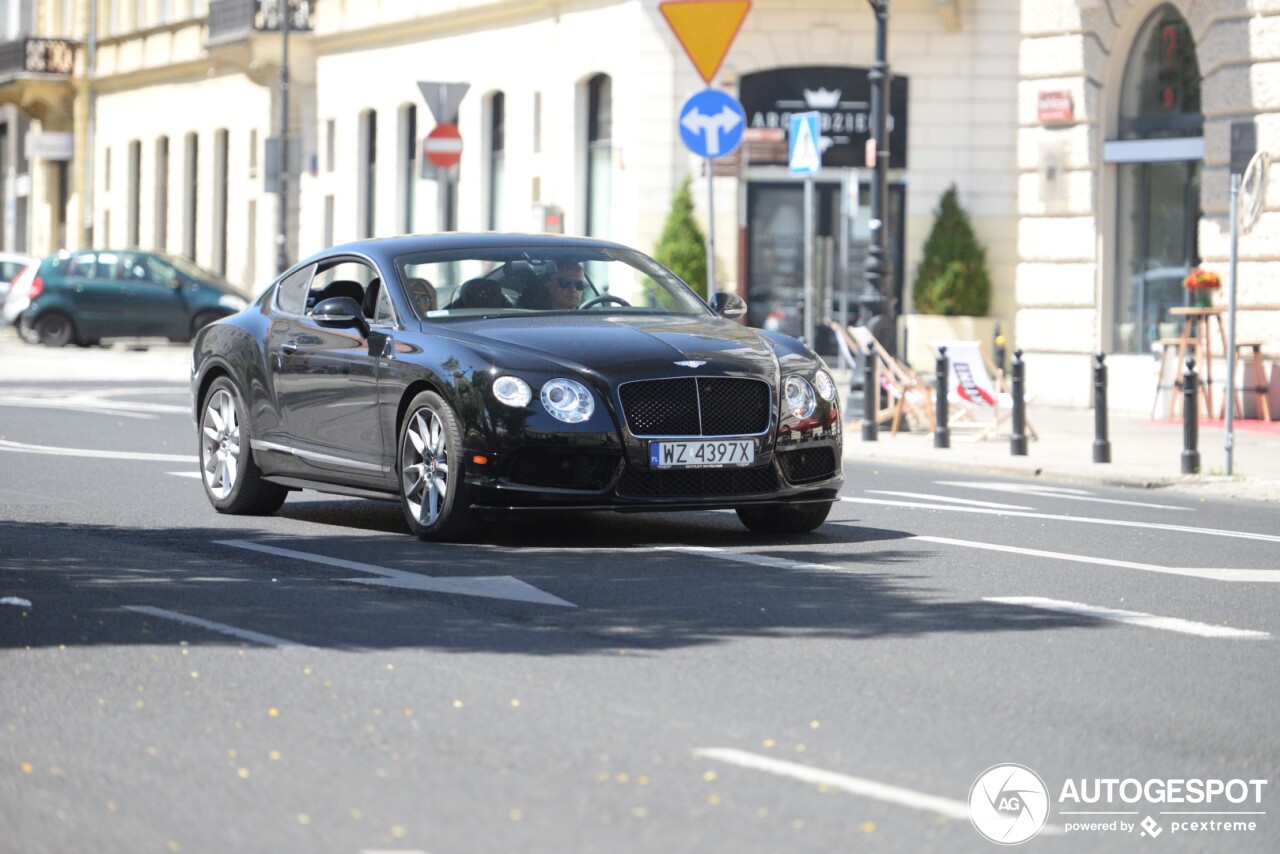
x=977 y=391
x=906 y=392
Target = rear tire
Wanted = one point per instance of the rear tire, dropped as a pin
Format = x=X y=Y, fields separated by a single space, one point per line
x=54 y=329
x=232 y=480
x=433 y=494
x=783 y=519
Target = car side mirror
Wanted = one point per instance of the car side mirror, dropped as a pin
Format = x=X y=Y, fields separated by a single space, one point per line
x=341 y=313
x=727 y=305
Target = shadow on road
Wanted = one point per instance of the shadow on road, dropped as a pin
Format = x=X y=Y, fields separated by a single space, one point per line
x=629 y=593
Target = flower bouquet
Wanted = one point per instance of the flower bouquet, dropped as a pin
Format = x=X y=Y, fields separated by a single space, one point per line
x=1200 y=282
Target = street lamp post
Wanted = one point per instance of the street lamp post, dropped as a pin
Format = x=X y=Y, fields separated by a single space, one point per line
x=877 y=302
x=282 y=216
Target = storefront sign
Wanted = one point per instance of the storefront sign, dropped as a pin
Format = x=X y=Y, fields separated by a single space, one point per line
x=842 y=98
x=49 y=145
x=1056 y=107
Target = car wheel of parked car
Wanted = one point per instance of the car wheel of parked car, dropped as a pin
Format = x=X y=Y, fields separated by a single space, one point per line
x=54 y=329
x=432 y=493
x=231 y=478
x=800 y=519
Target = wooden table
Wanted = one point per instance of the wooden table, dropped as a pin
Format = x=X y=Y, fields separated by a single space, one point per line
x=1196 y=323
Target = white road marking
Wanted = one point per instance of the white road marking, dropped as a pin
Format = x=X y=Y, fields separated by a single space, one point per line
x=958 y=810
x=747 y=557
x=192 y=474
x=22 y=448
x=491 y=587
x=965 y=501
x=1134 y=618
x=1053 y=492
x=1123 y=523
x=95 y=400
x=220 y=628
x=16 y=601
x=1259 y=575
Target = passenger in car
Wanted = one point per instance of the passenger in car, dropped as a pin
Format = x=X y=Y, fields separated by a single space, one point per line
x=423 y=295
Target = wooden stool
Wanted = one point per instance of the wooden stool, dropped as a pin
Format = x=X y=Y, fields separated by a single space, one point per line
x=1256 y=384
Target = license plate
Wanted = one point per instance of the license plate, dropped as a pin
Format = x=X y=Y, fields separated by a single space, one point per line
x=706 y=453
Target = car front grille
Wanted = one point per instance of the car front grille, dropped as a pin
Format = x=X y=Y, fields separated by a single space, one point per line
x=808 y=464
x=696 y=406
x=559 y=470
x=697 y=483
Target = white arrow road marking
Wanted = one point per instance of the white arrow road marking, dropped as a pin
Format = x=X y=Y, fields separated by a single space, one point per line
x=747 y=557
x=21 y=448
x=1263 y=575
x=1133 y=618
x=1053 y=492
x=96 y=401
x=1123 y=523
x=966 y=501
x=493 y=587
x=220 y=628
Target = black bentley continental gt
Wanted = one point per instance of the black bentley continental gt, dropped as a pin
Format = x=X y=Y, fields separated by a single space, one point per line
x=470 y=374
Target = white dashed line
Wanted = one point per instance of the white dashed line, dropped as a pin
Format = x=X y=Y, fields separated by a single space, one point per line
x=220 y=628
x=95 y=453
x=1133 y=618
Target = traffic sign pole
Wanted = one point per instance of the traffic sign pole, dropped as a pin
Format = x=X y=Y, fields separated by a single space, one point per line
x=711 y=229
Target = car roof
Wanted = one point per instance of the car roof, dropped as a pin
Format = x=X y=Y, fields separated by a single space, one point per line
x=384 y=248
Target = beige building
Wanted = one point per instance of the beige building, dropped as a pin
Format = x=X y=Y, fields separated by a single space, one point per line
x=1088 y=140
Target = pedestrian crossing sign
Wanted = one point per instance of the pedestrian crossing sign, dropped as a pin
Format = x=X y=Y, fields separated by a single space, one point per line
x=804 y=154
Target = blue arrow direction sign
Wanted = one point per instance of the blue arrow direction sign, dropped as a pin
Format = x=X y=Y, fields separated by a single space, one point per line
x=804 y=154
x=711 y=123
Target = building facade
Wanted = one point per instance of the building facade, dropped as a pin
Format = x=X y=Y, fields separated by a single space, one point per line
x=1088 y=141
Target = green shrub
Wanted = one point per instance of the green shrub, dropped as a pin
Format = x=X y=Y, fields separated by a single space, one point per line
x=952 y=278
x=682 y=248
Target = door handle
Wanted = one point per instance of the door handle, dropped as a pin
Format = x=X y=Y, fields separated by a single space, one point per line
x=288 y=348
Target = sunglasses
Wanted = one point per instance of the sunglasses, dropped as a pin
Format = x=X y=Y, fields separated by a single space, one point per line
x=571 y=283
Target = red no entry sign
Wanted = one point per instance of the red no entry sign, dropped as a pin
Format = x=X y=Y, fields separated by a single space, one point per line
x=443 y=146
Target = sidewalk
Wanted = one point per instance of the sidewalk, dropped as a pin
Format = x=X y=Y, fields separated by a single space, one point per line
x=1144 y=453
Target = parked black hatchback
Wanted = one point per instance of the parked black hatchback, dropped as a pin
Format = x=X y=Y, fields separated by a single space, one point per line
x=91 y=294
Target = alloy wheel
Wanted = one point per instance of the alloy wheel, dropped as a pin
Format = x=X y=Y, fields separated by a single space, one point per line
x=425 y=466
x=220 y=444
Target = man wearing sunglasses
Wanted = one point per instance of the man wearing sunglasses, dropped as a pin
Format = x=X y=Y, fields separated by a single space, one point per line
x=566 y=285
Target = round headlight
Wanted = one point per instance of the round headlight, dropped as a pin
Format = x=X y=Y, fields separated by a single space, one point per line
x=824 y=385
x=799 y=397
x=512 y=391
x=568 y=400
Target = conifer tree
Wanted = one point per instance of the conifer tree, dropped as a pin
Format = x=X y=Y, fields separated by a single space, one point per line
x=682 y=248
x=952 y=277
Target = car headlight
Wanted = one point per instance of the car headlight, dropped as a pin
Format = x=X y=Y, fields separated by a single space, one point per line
x=799 y=396
x=512 y=391
x=824 y=385
x=568 y=400
x=231 y=302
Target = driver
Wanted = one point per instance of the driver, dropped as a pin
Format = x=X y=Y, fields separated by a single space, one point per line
x=566 y=285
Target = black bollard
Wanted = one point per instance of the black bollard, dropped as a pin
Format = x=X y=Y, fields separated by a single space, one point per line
x=1018 y=435
x=870 y=397
x=941 y=432
x=1101 y=444
x=1190 y=419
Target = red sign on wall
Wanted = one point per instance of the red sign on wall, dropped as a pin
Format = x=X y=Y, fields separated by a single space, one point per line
x=1056 y=107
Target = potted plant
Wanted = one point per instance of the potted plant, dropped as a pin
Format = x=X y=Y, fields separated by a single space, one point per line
x=1202 y=283
x=952 y=290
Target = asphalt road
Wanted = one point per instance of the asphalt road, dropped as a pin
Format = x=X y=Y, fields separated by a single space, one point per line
x=320 y=681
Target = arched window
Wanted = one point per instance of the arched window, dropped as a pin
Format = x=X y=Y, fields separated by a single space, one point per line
x=1158 y=155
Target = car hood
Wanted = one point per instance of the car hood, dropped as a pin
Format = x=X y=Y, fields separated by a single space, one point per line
x=620 y=346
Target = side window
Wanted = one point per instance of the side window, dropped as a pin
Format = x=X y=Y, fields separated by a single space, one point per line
x=108 y=265
x=160 y=271
x=82 y=266
x=291 y=294
x=133 y=268
x=344 y=278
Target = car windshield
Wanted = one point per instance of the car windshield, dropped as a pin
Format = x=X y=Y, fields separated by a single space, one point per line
x=521 y=280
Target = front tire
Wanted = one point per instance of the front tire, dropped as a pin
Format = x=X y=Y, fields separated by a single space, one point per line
x=232 y=480
x=783 y=519
x=54 y=329
x=433 y=495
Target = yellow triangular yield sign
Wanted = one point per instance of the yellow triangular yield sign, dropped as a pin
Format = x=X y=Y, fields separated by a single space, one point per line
x=705 y=29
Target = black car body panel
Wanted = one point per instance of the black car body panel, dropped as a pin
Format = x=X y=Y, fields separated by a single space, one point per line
x=325 y=405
